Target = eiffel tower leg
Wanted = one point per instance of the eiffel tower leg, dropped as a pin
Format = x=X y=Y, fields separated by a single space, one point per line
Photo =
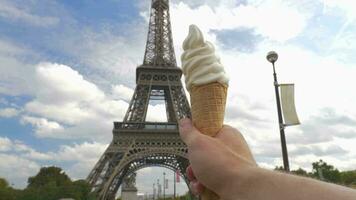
x=114 y=176
x=99 y=167
x=117 y=182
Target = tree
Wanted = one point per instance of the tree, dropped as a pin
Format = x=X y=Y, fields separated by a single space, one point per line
x=3 y=183
x=348 y=178
x=7 y=192
x=300 y=172
x=51 y=183
x=80 y=189
x=279 y=168
x=46 y=175
x=323 y=171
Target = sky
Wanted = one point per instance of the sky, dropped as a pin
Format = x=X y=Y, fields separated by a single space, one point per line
x=67 y=71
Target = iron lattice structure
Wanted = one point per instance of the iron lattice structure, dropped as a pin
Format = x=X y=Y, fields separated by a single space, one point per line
x=136 y=142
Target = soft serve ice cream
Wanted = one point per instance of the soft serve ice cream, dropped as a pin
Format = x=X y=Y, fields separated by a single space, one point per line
x=206 y=82
x=200 y=64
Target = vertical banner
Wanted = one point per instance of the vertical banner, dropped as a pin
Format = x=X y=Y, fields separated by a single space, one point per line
x=178 y=176
x=288 y=106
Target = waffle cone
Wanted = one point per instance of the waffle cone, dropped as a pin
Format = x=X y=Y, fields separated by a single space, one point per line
x=208 y=107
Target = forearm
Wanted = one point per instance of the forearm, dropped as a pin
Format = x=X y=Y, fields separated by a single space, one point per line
x=271 y=185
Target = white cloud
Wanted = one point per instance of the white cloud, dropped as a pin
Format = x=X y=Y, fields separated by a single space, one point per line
x=17 y=169
x=15 y=75
x=19 y=148
x=267 y=18
x=122 y=92
x=346 y=7
x=11 y=12
x=76 y=160
x=68 y=106
x=71 y=112
x=81 y=152
x=5 y=144
x=109 y=58
x=9 y=112
x=43 y=126
x=156 y=113
x=60 y=83
x=9 y=49
x=83 y=156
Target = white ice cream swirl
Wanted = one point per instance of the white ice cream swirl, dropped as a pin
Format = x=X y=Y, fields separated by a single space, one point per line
x=200 y=64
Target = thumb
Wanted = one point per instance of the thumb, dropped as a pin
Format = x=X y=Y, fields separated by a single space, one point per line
x=187 y=131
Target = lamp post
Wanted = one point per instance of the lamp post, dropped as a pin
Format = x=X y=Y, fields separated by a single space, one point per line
x=164 y=185
x=158 y=189
x=174 y=188
x=272 y=57
x=154 y=192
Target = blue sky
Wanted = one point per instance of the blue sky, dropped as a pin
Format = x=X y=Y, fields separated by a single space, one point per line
x=67 y=71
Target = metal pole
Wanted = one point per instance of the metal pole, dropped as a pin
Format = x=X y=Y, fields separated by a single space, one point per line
x=158 y=190
x=281 y=125
x=154 y=192
x=174 y=179
x=164 y=185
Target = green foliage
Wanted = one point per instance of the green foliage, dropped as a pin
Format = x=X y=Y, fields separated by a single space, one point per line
x=279 y=168
x=49 y=175
x=186 y=196
x=3 y=183
x=51 y=183
x=323 y=171
x=6 y=192
x=348 y=177
x=300 y=172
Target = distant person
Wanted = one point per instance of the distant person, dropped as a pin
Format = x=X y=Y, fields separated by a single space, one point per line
x=226 y=166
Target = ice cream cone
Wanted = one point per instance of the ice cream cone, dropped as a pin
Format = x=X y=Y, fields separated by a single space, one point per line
x=207 y=84
x=208 y=107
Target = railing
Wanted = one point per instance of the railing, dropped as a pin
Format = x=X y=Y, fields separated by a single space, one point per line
x=145 y=126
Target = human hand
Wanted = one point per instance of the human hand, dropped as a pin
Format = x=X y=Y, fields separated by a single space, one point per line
x=223 y=163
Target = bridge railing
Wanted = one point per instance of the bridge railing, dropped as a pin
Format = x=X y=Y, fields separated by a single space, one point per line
x=145 y=126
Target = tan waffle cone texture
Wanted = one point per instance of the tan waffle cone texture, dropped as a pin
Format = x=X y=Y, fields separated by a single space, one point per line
x=208 y=107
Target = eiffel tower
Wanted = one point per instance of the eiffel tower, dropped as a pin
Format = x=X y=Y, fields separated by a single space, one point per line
x=136 y=142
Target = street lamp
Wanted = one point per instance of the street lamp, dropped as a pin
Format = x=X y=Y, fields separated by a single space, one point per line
x=272 y=57
x=154 y=192
x=164 y=185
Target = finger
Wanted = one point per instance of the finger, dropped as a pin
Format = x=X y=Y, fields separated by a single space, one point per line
x=199 y=187
x=187 y=131
x=190 y=173
x=196 y=187
x=192 y=188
